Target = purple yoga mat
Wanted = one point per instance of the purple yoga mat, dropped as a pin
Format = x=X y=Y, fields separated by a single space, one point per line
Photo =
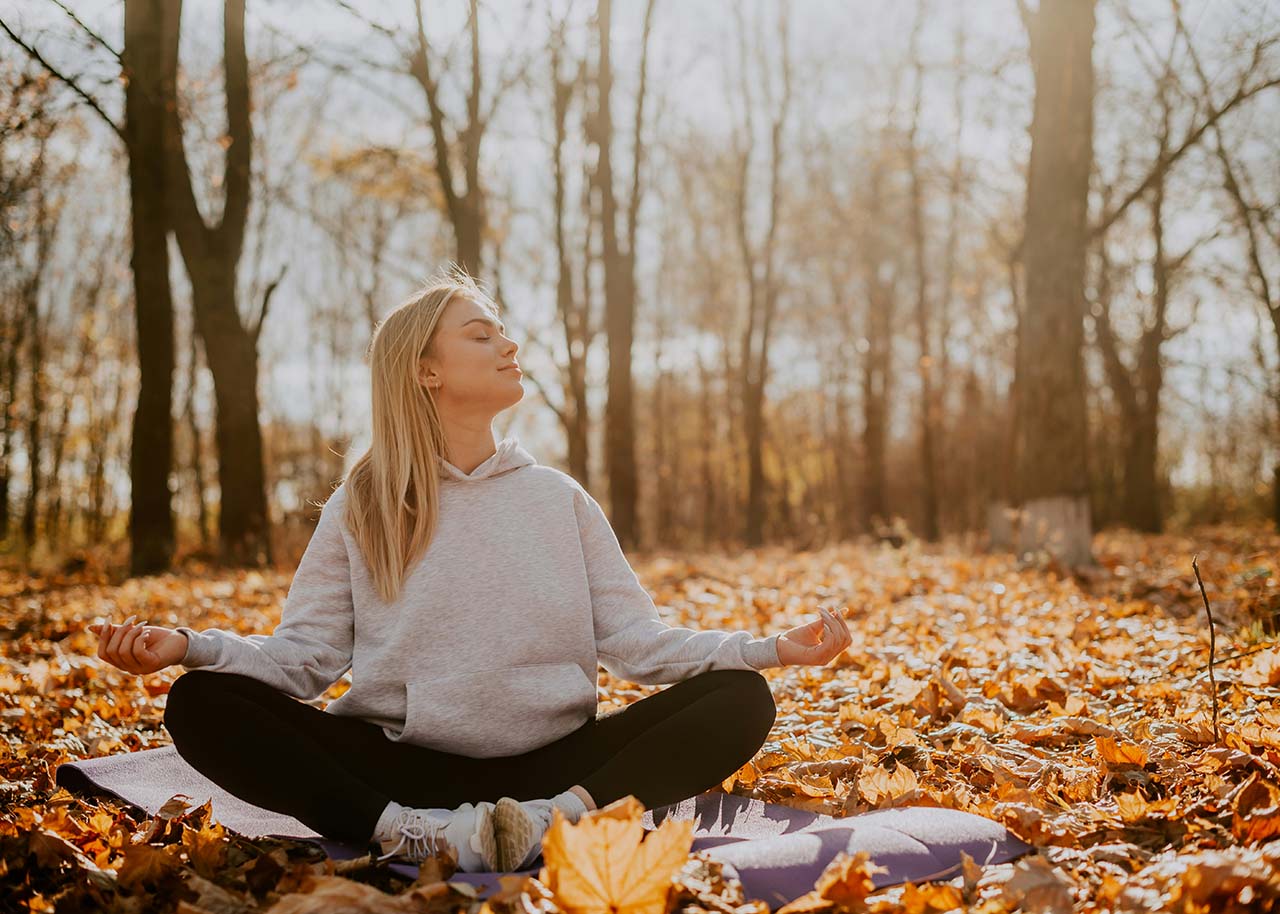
x=777 y=851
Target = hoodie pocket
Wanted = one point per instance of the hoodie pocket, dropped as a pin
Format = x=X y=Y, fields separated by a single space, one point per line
x=507 y=711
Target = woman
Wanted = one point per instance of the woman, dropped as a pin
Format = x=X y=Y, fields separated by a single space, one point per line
x=472 y=593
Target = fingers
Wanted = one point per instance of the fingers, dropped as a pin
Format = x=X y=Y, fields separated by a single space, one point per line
x=130 y=647
x=117 y=636
x=119 y=644
x=840 y=627
x=839 y=637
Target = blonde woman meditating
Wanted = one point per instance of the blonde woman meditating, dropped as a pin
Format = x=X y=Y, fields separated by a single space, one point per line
x=472 y=592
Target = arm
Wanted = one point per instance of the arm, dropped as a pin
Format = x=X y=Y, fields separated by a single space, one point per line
x=631 y=639
x=311 y=648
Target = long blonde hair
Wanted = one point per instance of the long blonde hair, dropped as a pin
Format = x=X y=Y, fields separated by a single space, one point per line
x=393 y=488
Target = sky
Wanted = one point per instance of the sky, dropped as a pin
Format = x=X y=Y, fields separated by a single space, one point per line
x=843 y=52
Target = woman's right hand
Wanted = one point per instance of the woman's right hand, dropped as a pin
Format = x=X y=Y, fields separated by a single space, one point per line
x=139 y=649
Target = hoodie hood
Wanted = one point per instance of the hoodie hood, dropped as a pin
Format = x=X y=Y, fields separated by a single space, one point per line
x=509 y=456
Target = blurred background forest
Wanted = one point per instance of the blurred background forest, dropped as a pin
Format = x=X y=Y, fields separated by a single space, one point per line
x=780 y=272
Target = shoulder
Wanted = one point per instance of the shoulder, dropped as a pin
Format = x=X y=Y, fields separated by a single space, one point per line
x=559 y=487
x=551 y=479
x=330 y=512
x=337 y=498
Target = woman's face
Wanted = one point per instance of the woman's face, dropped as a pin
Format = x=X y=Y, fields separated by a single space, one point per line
x=470 y=369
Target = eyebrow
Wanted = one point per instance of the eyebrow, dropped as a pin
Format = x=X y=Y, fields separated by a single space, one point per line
x=484 y=320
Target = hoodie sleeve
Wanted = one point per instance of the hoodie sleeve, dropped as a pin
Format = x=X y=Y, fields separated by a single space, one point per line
x=632 y=641
x=311 y=648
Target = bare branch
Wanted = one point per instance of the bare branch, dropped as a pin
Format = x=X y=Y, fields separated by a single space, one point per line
x=1162 y=165
x=420 y=69
x=266 y=301
x=98 y=39
x=638 y=146
x=68 y=81
x=376 y=26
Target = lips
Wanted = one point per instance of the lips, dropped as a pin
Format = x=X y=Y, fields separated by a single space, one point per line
x=509 y=367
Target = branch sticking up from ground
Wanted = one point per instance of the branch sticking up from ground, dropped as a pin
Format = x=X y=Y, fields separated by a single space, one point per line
x=1213 y=685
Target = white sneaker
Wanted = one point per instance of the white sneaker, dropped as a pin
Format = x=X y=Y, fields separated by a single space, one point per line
x=518 y=829
x=417 y=834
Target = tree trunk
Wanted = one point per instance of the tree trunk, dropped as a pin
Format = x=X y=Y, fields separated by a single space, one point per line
x=35 y=396
x=573 y=309
x=1051 y=452
x=620 y=283
x=881 y=295
x=232 y=354
x=763 y=292
x=196 y=457
x=212 y=256
x=928 y=407
x=465 y=207
x=151 y=449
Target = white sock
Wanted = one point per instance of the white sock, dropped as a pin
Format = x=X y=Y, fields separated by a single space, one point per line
x=384 y=821
x=570 y=804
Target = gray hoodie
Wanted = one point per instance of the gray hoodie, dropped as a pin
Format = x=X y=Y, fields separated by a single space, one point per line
x=491 y=647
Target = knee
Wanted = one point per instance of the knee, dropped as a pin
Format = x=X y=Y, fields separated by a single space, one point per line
x=749 y=695
x=184 y=693
x=195 y=692
x=758 y=698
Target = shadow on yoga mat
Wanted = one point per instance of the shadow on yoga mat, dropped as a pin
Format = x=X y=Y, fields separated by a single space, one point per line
x=777 y=851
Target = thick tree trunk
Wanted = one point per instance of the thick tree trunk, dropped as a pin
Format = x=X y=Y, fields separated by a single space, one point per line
x=1051 y=453
x=232 y=354
x=212 y=255
x=151 y=450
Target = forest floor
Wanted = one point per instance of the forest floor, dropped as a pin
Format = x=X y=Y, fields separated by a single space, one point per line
x=1074 y=709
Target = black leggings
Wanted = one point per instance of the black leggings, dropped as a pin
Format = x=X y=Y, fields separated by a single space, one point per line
x=336 y=774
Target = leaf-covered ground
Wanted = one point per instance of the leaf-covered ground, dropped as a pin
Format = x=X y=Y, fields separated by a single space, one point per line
x=1076 y=710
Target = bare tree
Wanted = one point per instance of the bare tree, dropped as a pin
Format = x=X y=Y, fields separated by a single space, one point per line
x=572 y=297
x=212 y=254
x=759 y=262
x=151 y=451
x=1257 y=221
x=924 y=365
x=618 y=251
x=1137 y=391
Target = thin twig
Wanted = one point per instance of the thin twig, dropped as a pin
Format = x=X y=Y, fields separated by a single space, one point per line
x=1252 y=650
x=98 y=39
x=1213 y=684
x=68 y=81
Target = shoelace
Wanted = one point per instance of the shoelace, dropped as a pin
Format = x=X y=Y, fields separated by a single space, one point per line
x=417 y=835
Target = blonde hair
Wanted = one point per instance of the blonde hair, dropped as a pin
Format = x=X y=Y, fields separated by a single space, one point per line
x=393 y=488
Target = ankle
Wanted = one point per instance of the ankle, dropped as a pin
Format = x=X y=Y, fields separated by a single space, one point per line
x=571 y=804
x=585 y=797
x=383 y=826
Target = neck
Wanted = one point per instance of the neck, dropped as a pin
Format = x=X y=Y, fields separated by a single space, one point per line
x=470 y=443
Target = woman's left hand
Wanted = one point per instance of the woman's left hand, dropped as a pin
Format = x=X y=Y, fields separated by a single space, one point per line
x=815 y=644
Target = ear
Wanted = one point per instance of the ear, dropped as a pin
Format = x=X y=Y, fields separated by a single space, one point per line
x=427 y=375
